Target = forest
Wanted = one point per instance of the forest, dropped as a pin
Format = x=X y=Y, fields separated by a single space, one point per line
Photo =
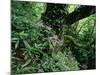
x=52 y=37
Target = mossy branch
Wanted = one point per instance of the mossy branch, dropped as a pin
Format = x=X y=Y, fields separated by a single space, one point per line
x=73 y=40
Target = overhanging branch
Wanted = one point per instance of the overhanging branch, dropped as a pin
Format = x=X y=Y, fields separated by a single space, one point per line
x=80 y=13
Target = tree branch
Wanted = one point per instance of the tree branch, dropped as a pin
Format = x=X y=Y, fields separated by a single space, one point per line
x=80 y=13
x=80 y=45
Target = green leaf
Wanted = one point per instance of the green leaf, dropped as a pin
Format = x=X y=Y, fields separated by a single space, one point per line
x=17 y=43
x=27 y=45
x=27 y=62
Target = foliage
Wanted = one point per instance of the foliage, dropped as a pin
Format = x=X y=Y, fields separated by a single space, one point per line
x=72 y=8
x=42 y=42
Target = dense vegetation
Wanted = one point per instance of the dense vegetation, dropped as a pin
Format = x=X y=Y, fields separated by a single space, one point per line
x=48 y=37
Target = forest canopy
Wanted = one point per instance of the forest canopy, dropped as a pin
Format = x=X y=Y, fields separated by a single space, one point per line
x=52 y=37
